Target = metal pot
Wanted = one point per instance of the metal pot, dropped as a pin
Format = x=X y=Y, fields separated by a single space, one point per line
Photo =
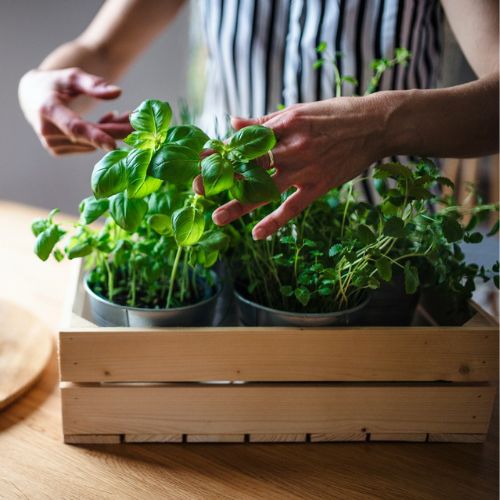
x=253 y=314
x=106 y=313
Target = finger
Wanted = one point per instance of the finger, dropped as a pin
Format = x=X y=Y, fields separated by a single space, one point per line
x=81 y=82
x=115 y=117
x=198 y=187
x=234 y=209
x=77 y=129
x=238 y=122
x=289 y=209
x=116 y=130
x=206 y=152
x=280 y=155
x=65 y=150
x=54 y=142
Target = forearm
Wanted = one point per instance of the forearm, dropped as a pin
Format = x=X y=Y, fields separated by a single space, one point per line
x=457 y=122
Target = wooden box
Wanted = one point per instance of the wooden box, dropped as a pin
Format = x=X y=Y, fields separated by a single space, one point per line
x=240 y=384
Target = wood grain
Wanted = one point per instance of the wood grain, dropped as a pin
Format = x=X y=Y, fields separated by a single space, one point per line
x=278 y=438
x=39 y=465
x=26 y=346
x=276 y=409
x=415 y=437
x=338 y=437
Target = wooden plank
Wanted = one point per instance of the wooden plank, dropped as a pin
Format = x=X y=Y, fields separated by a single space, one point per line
x=384 y=436
x=215 y=438
x=457 y=438
x=278 y=438
x=277 y=409
x=487 y=317
x=279 y=354
x=330 y=438
x=153 y=438
x=92 y=438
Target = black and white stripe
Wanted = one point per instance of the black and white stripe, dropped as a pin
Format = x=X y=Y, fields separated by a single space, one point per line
x=261 y=52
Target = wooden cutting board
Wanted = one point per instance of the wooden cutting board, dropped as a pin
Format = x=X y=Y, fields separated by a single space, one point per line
x=25 y=348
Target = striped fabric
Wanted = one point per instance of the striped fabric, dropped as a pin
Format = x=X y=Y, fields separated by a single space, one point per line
x=261 y=52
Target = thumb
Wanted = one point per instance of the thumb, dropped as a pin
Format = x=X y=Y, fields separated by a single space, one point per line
x=92 y=85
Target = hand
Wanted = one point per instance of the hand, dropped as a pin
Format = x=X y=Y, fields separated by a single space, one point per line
x=46 y=97
x=321 y=145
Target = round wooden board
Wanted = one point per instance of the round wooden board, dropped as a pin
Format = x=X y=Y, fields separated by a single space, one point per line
x=25 y=349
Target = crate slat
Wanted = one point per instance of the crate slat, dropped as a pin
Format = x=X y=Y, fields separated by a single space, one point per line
x=333 y=438
x=92 y=438
x=277 y=409
x=384 y=436
x=215 y=438
x=153 y=438
x=457 y=438
x=278 y=438
x=279 y=354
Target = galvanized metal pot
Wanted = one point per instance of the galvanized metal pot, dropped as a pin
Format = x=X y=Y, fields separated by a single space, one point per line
x=253 y=314
x=106 y=313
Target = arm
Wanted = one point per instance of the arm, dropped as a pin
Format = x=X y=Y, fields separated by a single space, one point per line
x=324 y=144
x=66 y=82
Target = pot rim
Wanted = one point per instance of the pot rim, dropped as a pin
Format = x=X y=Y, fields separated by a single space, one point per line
x=97 y=297
x=304 y=315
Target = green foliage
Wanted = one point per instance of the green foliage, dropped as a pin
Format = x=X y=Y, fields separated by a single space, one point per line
x=253 y=184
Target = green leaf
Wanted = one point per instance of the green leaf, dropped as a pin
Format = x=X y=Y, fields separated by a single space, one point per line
x=321 y=47
x=494 y=229
x=475 y=238
x=384 y=268
x=365 y=235
x=164 y=202
x=140 y=140
x=152 y=116
x=174 y=163
x=189 y=136
x=217 y=174
x=79 y=249
x=373 y=283
x=160 y=223
x=253 y=141
x=303 y=295
x=255 y=185
x=127 y=212
x=109 y=176
x=335 y=249
x=47 y=240
x=394 y=227
x=215 y=240
x=39 y=226
x=391 y=169
x=91 y=209
x=411 y=278
x=188 y=224
x=139 y=183
x=215 y=144
x=444 y=181
x=452 y=230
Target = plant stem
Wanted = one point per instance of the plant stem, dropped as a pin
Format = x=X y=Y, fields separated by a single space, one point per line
x=173 y=275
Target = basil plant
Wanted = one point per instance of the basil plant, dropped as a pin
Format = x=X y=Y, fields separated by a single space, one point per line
x=158 y=242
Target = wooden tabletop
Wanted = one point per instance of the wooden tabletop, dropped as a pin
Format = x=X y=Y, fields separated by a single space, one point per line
x=35 y=463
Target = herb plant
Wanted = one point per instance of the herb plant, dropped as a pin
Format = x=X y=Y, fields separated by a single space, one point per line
x=158 y=240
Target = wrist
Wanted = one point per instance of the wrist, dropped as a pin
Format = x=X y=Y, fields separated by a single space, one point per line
x=399 y=135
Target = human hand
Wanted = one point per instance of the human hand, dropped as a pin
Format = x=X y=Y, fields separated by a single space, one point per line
x=46 y=97
x=321 y=145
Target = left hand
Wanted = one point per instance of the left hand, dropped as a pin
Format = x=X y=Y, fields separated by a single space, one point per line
x=321 y=145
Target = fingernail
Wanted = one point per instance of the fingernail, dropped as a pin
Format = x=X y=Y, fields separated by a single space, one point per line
x=258 y=233
x=221 y=218
x=109 y=86
x=107 y=147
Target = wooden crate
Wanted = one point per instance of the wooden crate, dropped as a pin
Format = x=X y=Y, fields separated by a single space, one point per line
x=240 y=384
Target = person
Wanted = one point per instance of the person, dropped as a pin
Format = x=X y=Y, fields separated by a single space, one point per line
x=261 y=55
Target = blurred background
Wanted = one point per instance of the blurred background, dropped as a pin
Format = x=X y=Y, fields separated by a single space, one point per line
x=30 y=29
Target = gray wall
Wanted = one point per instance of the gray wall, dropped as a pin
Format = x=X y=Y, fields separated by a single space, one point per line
x=29 y=30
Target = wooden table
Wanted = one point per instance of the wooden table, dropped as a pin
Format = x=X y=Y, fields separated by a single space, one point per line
x=34 y=463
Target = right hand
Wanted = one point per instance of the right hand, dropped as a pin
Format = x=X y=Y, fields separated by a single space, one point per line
x=46 y=97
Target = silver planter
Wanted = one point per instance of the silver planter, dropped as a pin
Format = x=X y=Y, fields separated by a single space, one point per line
x=106 y=313
x=253 y=314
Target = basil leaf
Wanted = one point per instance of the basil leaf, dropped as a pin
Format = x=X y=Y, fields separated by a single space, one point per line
x=394 y=227
x=187 y=135
x=452 y=230
x=303 y=295
x=391 y=169
x=411 y=278
x=79 y=250
x=139 y=183
x=174 y=163
x=188 y=224
x=91 y=209
x=253 y=141
x=217 y=174
x=140 y=140
x=164 y=203
x=47 y=240
x=39 y=226
x=152 y=116
x=215 y=240
x=384 y=268
x=161 y=223
x=110 y=174
x=127 y=212
x=254 y=186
